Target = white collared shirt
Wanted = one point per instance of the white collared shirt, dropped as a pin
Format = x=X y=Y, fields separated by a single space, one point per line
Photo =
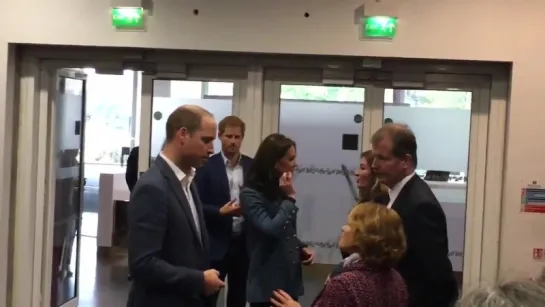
x=235 y=177
x=185 y=181
x=394 y=192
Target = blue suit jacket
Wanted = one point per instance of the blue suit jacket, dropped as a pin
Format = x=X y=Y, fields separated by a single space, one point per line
x=167 y=256
x=213 y=187
x=273 y=246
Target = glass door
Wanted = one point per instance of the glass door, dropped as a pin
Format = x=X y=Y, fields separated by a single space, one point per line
x=450 y=117
x=327 y=123
x=160 y=97
x=327 y=137
x=69 y=181
x=441 y=121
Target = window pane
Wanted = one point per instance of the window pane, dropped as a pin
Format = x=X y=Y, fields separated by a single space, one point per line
x=388 y=95
x=322 y=93
x=219 y=89
x=163 y=106
x=184 y=89
x=109 y=116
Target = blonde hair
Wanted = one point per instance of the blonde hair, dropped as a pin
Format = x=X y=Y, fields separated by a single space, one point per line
x=379 y=237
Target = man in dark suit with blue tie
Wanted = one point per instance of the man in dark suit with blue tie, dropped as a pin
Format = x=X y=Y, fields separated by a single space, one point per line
x=219 y=183
x=168 y=244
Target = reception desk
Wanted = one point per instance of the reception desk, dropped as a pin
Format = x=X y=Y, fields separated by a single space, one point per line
x=112 y=188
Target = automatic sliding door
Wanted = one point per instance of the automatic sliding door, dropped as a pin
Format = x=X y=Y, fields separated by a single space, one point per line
x=326 y=122
x=441 y=122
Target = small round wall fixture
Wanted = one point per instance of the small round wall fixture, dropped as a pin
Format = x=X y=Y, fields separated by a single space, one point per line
x=157 y=115
x=358 y=118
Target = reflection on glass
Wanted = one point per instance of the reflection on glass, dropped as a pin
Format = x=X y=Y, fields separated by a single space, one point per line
x=440 y=121
x=69 y=174
x=187 y=92
x=323 y=196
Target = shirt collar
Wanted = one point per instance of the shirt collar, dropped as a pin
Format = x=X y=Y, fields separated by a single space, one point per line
x=394 y=192
x=228 y=162
x=355 y=257
x=181 y=175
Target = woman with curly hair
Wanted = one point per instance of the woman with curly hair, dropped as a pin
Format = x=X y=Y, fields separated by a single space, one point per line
x=375 y=240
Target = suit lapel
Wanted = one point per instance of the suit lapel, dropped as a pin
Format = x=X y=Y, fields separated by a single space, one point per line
x=245 y=161
x=219 y=167
x=176 y=187
x=198 y=205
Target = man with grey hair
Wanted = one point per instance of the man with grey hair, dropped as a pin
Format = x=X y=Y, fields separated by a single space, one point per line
x=425 y=267
x=519 y=293
x=168 y=244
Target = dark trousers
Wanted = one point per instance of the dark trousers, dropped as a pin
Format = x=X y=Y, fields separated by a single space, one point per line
x=235 y=266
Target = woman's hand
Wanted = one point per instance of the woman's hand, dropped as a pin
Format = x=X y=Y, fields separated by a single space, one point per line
x=286 y=184
x=308 y=256
x=282 y=299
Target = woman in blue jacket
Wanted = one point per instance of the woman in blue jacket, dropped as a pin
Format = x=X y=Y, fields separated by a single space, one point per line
x=268 y=203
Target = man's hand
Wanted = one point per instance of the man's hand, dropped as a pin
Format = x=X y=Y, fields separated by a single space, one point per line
x=212 y=282
x=231 y=208
x=307 y=255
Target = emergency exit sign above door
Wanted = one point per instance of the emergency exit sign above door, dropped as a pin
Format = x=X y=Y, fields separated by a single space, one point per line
x=379 y=27
x=128 y=18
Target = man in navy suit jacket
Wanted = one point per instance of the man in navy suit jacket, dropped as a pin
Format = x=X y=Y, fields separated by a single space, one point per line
x=168 y=243
x=219 y=182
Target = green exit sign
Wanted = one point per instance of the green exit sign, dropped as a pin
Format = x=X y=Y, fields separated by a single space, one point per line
x=382 y=27
x=128 y=18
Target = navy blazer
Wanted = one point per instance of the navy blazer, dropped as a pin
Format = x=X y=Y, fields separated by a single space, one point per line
x=167 y=257
x=213 y=187
x=273 y=246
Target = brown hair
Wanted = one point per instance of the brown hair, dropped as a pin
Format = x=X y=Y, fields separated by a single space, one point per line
x=376 y=190
x=262 y=175
x=379 y=237
x=188 y=117
x=231 y=121
x=403 y=140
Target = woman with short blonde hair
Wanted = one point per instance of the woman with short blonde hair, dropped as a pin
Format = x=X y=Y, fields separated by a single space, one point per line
x=375 y=240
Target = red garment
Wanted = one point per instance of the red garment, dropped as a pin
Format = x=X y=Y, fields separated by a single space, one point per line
x=360 y=286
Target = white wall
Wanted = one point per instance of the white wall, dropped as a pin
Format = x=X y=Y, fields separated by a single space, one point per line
x=449 y=29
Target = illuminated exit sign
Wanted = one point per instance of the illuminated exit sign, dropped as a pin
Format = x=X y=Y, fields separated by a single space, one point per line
x=381 y=27
x=128 y=18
